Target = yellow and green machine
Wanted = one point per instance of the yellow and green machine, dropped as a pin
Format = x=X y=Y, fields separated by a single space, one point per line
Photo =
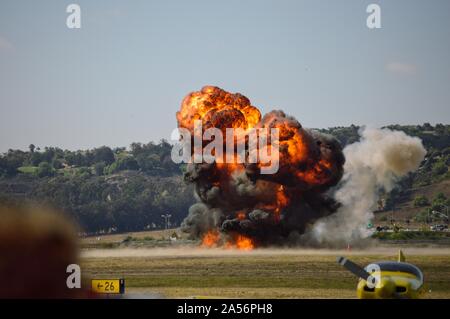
x=386 y=279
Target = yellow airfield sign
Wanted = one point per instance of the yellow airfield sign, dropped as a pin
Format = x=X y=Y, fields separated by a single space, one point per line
x=108 y=286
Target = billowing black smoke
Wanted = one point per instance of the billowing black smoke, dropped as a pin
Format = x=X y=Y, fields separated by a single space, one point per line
x=271 y=209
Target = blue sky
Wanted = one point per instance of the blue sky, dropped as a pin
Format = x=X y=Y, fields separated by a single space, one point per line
x=121 y=77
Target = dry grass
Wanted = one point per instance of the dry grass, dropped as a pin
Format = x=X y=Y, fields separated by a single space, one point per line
x=264 y=275
x=244 y=292
x=117 y=238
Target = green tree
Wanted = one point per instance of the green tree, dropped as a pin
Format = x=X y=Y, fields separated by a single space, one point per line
x=440 y=202
x=11 y=161
x=440 y=197
x=99 y=168
x=35 y=158
x=57 y=163
x=439 y=169
x=103 y=154
x=74 y=158
x=83 y=172
x=421 y=201
x=148 y=162
x=127 y=163
x=3 y=167
x=45 y=169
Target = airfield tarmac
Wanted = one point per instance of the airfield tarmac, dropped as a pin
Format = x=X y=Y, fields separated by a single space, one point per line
x=189 y=272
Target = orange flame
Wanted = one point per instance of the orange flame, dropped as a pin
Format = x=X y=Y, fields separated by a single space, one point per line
x=240 y=215
x=317 y=174
x=303 y=164
x=240 y=242
x=211 y=239
x=217 y=108
x=282 y=199
x=244 y=243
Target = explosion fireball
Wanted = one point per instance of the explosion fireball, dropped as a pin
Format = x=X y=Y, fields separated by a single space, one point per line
x=240 y=207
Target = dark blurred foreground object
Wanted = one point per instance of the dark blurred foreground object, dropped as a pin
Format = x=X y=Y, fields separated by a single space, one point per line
x=36 y=246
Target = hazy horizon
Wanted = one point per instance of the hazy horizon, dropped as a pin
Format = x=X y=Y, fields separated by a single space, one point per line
x=41 y=147
x=122 y=76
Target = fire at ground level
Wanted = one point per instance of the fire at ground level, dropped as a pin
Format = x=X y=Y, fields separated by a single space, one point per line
x=259 y=273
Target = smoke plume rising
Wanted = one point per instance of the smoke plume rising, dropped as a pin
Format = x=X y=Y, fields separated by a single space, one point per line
x=375 y=163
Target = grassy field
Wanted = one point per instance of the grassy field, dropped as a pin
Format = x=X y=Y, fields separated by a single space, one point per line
x=27 y=169
x=153 y=238
x=190 y=272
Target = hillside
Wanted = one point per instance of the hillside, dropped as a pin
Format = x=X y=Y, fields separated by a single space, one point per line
x=104 y=190
x=416 y=196
x=128 y=189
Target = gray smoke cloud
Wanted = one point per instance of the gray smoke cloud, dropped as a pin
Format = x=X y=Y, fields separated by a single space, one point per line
x=312 y=199
x=374 y=163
